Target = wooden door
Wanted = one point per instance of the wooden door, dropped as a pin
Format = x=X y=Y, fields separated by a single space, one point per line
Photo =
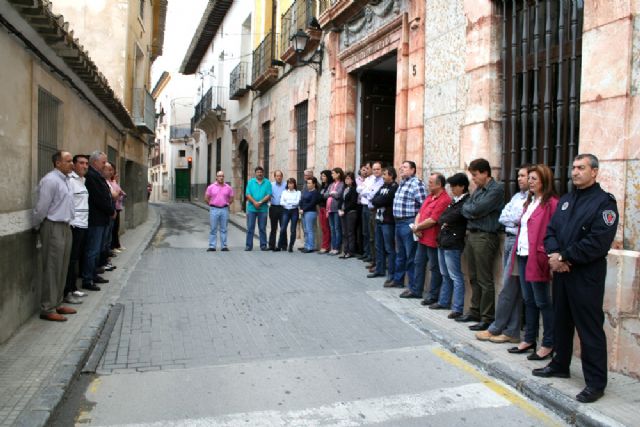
x=183 y=184
x=378 y=116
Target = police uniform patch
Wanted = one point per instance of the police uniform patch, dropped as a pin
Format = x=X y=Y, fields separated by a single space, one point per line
x=565 y=205
x=609 y=217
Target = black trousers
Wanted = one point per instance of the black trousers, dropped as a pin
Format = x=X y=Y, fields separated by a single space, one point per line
x=578 y=297
x=79 y=237
x=349 y=220
x=275 y=220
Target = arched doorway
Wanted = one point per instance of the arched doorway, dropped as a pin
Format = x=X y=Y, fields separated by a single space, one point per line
x=243 y=149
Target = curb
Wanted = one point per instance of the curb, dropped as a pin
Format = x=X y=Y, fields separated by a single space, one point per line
x=45 y=401
x=570 y=410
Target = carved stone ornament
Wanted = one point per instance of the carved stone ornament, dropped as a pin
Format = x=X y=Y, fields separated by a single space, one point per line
x=371 y=17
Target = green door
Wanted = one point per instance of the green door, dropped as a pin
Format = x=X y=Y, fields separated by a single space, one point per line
x=183 y=184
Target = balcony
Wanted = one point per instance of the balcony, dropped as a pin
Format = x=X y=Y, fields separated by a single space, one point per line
x=300 y=16
x=179 y=131
x=265 y=73
x=238 y=81
x=144 y=111
x=335 y=13
x=205 y=115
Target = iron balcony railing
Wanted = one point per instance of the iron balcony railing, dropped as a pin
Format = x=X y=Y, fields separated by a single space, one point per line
x=144 y=113
x=238 y=81
x=264 y=55
x=215 y=96
x=297 y=17
x=179 y=131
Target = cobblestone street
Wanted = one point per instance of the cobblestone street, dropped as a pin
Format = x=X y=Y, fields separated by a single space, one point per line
x=263 y=338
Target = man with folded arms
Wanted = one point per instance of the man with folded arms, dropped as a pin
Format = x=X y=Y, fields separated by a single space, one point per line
x=51 y=217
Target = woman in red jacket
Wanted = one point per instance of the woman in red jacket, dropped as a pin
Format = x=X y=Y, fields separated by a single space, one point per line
x=533 y=263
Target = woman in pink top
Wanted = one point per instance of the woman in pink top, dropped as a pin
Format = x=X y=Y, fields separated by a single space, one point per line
x=533 y=263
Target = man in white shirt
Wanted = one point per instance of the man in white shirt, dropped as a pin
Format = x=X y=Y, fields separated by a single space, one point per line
x=79 y=226
x=366 y=191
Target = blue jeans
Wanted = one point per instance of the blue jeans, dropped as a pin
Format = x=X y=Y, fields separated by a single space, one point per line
x=509 y=305
x=423 y=254
x=452 y=291
x=537 y=300
x=251 y=228
x=309 y=222
x=385 y=246
x=336 y=230
x=94 y=242
x=288 y=215
x=405 y=252
x=366 y=244
x=218 y=217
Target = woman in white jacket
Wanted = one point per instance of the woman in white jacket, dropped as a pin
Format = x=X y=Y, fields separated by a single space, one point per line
x=290 y=200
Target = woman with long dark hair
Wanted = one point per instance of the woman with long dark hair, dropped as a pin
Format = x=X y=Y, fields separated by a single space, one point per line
x=349 y=214
x=323 y=218
x=533 y=263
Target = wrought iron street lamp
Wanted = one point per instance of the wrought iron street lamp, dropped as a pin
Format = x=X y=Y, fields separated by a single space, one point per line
x=299 y=42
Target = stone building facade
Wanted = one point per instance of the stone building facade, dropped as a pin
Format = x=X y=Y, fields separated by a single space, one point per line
x=55 y=96
x=443 y=82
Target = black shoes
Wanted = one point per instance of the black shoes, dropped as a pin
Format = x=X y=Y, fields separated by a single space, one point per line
x=438 y=306
x=548 y=372
x=408 y=294
x=372 y=275
x=516 y=350
x=99 y=279
x=468 y=318
x=247 y=249
x=211 y=249
x=480 y=326
x=454 y=315
x=91 y=287
x=534 y=356
x=225 y=249
x=428 y=301
x=589 y=395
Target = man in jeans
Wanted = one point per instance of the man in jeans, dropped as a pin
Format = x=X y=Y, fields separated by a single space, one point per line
x=218 y=196
x=409 y=197
x=506 y=326
x=258 y=195
x=482 y=211
x=426 y=228
x=101 y=210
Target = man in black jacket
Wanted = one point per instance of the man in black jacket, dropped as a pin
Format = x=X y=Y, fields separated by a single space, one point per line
x=385 y=226
x=101 y=209
x=578 y=240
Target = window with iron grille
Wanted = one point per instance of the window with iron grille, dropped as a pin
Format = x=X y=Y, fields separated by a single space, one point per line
x=182 y=153
x=540 y=67
x=48 y=130
x=218 y=154
x=301 y=139
x=266 y=138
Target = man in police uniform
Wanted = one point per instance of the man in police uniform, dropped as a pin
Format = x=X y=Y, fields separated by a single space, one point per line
x=578 y=239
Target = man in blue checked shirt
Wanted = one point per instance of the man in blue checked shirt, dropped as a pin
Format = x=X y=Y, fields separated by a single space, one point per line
x=409 y=197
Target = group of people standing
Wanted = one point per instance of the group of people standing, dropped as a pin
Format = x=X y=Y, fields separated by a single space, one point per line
x=76 y=217
x=555 y=249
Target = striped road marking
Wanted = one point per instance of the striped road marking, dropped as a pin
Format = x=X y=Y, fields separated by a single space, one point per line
x=359 y=412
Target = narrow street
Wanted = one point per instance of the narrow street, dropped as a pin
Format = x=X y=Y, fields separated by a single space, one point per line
x=262 y=338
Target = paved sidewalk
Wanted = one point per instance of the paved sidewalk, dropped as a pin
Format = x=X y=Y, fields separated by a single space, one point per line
x=617 y=408
x=39 y=362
